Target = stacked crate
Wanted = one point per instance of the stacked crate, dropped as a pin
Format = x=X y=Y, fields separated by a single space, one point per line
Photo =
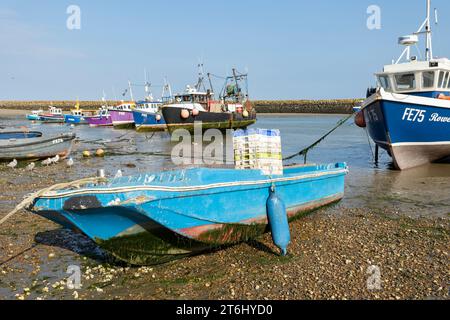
x=258 y=149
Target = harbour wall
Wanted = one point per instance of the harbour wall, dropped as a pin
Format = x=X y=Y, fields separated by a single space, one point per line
x=337 y=106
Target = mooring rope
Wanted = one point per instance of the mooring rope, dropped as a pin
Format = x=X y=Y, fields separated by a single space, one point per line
x=29 y=199
x=305 y=151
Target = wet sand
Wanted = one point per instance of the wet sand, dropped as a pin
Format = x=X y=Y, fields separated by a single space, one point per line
x=12 y=112
x=392 y=221
x=330 y=254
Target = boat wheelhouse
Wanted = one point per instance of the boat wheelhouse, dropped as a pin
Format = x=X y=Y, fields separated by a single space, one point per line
x=420 y=78
x=199 y=106
x=408 y=114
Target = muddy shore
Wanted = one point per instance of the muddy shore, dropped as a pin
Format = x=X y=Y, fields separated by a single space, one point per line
x=331 y=253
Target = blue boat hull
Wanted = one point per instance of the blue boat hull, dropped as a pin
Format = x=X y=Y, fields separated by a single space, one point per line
x=155 y=218
x=72 y=119
x=33 y=117
x=413 y=131
x=148 y=121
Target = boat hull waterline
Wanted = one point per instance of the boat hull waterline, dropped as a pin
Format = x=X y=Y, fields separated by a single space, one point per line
x=148 y=121
x=155 y=218
x=209 y=120
x=122 y=119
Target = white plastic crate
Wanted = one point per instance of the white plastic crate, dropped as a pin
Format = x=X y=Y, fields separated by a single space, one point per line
x=258 y=149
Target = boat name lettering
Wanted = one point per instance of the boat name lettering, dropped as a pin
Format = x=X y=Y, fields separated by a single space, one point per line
x=56 y=141
x=414 y=115
x=435 y=117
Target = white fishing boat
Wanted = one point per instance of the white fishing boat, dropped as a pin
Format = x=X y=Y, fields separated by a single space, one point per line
x=408 y=114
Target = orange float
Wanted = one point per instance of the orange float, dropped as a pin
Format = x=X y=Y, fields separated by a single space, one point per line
x=443 y=97
x=359 y=119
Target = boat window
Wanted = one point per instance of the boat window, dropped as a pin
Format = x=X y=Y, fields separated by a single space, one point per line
x=441 y=78
x=444 y=84
x=428 y=79
x=406 y=81
x=384 y=82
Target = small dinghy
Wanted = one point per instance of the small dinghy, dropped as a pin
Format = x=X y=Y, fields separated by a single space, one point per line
x=28 y=145
x=157 y=217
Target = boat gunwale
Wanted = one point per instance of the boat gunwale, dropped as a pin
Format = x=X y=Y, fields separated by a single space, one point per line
x=127 y=189
x=67 y=137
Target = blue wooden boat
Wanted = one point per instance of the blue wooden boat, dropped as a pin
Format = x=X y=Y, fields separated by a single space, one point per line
x=75 y=119
x=34 y=115
x=28 y=145
x=157 y=217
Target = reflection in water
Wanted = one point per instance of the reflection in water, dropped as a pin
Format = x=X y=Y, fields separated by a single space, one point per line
x=423 y=190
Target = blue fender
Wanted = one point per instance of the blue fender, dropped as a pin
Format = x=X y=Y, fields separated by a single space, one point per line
x=278 y=221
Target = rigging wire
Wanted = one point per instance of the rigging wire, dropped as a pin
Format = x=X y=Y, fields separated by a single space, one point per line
x=304 y=152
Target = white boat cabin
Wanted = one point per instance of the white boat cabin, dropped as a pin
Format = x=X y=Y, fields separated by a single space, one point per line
x=55 y=111
x=416 y=77
x=191 y=95
x=149 y=106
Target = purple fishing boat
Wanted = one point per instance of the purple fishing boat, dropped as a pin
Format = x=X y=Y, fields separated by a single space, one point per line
x=122 y=115
x=103 y=119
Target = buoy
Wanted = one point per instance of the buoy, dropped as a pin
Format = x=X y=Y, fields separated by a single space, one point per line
x=278 y=221
x=195 y=112
x=245 y=114
x=86 y=154
x=184 y=114
x=359 y=119
x=100 y=153
x=158 y=117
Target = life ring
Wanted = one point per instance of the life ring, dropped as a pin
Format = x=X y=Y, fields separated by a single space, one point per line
x=195 y=112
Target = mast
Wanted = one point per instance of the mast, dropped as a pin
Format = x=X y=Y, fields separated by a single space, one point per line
x=210 y=82
x=200 y=77
x=237 y=84
x=131 y=90
x=429 y=49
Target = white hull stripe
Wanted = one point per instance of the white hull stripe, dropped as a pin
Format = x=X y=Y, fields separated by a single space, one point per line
x=410 y=99
x=54 y=195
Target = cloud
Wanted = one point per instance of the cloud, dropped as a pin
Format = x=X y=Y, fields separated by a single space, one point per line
x=20 y=38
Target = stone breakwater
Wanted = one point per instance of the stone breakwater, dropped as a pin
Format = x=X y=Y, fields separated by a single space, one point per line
x=307 y=106
x=262 y=106
x=65 y=105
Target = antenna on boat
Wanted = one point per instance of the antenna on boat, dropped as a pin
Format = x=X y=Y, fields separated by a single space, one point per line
x=147 y=85
x=429 y=50
x=413 y=39
x=166 y=88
